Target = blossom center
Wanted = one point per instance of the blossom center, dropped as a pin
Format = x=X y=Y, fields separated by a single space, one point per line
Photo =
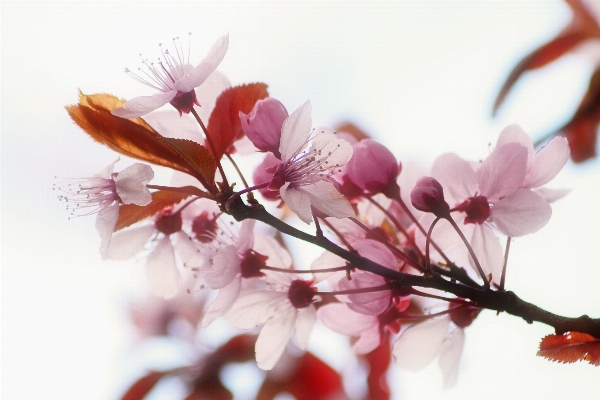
x=184 y=102
x=252 y=264
x=301 y=293
x=477 y=209
x=168 y=222
x=95 y=193
x=204 y=227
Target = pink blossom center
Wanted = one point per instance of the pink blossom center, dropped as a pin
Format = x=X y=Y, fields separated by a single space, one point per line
x=477 y=209
x=184 y=102
x=92 y=193
x=204 y=227
x=168 y=223
x=252 y=264
x=301 y=293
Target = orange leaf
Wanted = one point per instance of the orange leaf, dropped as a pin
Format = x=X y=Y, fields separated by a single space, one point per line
x=570 y=347
x=129 y=214
x=133 y=138
x=224 y=126
x=198 y=157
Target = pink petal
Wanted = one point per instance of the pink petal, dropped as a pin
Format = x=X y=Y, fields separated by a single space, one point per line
x=338 y=151
x=377 y=252
x=503 y=171
x=254 y=307
x=521 y=213
x=105 y=225
x=273 y=339
x=131 y=184
x=170 y=124
x=450 y=357
x=268 y=246
x=206 y=67
x=298 y=201
x=304 y=323
x=225 y=267
x=107 y=171
x=127 y=243
x=420 y=343
x=327 y=260
x=208 y=92
x=325 y=197
x=488 y=250
x=551 y=195
x=368 y=340
x=295 y=132
x=339 y=318
x=161 y=270
x=548 y=162
x=226 y=298
x=515 y=134
x=369 y=303
x=456 y=177
x=245 y=239
x=142 y=105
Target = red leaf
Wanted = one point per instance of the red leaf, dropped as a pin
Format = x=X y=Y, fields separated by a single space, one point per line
x=129 y=214
x=379 y=362
x=133 y=138
x=311 y=380
x=143 y=386
x=570 y=347
x=224 y=126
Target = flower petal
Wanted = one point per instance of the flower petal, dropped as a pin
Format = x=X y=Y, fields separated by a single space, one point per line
x=142 y=105
x=131 y=184
x=305 y=321
x=515 y=134
x=548 y=161
x=503 y=171
x=420 y=343
x=456 y=176
x=254 y=307
x=225 y=267
x=127 y=243
x=339 y=318
x=450 y=357
x=521 y=213
x=327 y=144
x=298 y=201
x=325 y=197
x=551 y=195
x=161 y=270
x=368 y=340
x=105 y=225
x=295 y=131
x=273 y=339
x=488 y=250
x=245 y=239
x=206 y=67
x=225 y=299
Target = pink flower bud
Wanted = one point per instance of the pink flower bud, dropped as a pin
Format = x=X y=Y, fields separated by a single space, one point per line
x=373 y=167
x=263 y=124
x=428 y=196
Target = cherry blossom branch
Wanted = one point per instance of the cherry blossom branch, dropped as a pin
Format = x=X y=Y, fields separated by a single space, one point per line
x=501 y=301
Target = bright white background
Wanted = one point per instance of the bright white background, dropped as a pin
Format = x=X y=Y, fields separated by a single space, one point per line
x=419 y=76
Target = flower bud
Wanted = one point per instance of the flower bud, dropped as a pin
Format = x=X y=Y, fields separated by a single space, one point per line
x=428 y=196
x=263 y=124
x=373 y=167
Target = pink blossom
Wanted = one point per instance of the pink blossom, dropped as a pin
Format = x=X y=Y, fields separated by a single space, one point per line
x=263 y=125
x=374 y=168
x=285 y=308
x=421 y=343
x=302 y=175
x=235 y=264
x=175 y=79
x=105 y=192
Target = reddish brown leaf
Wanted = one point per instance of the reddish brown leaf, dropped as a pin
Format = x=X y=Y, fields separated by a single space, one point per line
x=538 y=58
x=224 y=126
x=133 y=138
x=379 y=362
x=311 y=380
x=143 y=386
x=198 y=157
x=570 y=347
x=130 y=213
x=210 y=390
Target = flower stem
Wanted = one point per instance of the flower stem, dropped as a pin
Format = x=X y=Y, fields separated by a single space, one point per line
x=306 y=271
x=428 y=241
x=237 y=169
x=471 y=252
x=503 y=277
x=211 y=144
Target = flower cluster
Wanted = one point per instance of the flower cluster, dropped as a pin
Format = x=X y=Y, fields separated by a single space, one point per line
x=201 y=234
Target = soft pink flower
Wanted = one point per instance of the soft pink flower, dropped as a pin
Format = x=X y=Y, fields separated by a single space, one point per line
x=374 y=168
x=105 y=192
x=428 y=196
x=286 y=308
x=263 y=125
x=175 y=79
x=302 y=175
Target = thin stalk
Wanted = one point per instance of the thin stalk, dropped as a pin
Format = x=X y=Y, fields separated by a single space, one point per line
x=212 y=146
x=503 y=277
x=471 y=252
x=237 y=169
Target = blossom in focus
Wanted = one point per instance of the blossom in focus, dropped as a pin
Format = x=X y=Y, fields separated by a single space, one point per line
x=302 y=176
x=284 y=309
x=428 y=196
x=263 y=125
x=105 y=191
x=235 y=264
x=374 y=168
x=175 y=79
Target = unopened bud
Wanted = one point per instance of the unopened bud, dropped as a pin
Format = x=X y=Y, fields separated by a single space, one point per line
x=428 y=196
x=263 y=124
